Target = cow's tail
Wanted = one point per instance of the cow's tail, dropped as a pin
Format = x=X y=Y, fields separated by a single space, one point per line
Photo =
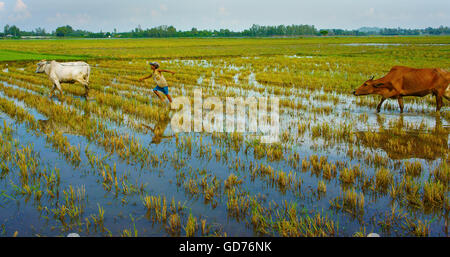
x=446 y=75
x=447 y=93
x=88 y=73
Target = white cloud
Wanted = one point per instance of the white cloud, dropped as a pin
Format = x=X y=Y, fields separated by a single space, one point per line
x=223 y=11
x=2 y=6
x=20 y=11
x=163 y=7
x=20 y=6
x=76 y=20
x=154 y=13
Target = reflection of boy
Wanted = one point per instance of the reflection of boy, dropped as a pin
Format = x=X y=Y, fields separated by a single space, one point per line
x=161 y=83
x=158 y=131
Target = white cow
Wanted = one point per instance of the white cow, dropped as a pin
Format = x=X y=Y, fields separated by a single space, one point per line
x=65 y=72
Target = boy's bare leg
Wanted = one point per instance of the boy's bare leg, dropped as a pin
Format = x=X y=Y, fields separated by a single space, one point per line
x=170 y=98
x=159 y=96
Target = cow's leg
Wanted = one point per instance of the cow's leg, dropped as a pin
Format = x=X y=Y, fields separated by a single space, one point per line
x=52 y=90
x=438 y=102
x=400 y=103
x=84 y=81
x=379 y=105
x=87 y=90
x=58 y=86
x=86 y=87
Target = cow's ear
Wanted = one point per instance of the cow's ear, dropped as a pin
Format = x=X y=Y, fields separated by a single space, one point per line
x=378 y=85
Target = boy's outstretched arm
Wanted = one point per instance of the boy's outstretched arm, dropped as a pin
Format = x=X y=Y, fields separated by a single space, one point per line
x=173 y=72
x=147 y=77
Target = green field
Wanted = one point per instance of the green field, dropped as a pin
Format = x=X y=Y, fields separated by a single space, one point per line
x=14 y=55
x=203 y=48
x=113 y=166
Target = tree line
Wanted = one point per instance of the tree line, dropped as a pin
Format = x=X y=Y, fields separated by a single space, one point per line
x=254 y=31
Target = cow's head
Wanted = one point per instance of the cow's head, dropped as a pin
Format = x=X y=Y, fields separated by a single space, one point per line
x=369 y=87
x=41 y=66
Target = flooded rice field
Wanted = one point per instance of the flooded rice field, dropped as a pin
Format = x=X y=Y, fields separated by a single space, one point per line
x=112 y=165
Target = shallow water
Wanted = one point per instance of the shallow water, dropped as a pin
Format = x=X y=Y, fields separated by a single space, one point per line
x=336 y=127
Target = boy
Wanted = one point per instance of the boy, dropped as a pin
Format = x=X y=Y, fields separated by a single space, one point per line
x=161 y=83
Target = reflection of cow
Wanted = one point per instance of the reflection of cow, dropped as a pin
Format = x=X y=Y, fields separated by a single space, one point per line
x=50 y=125
x=399 y=143
x=404 y=81
x=158 y=130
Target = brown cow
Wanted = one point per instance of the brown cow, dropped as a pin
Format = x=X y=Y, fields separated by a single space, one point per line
x=404 y=81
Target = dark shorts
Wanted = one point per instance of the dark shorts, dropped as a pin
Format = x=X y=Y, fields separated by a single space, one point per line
x=165 y=90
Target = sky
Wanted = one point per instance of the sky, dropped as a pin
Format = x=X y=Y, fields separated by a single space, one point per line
x=236 y=15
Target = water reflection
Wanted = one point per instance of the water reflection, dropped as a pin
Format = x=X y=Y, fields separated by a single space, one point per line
x=401 y=142
x=158 y=131
x=50 y=125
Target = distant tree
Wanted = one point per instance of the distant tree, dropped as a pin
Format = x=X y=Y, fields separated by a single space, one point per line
x=12 y=30
x=172 y=31
x=194 y=32
x=64 y=31
x=255 y=30
x=324 y=32
x=6 y=29
x=39 y=31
